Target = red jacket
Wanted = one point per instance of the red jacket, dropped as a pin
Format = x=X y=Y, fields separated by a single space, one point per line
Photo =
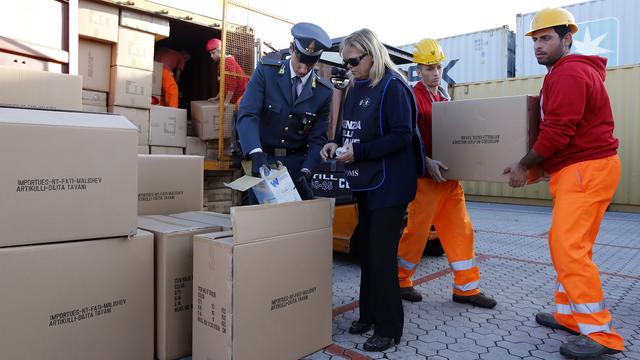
x=234 y=83
x=576 y=119
x=424 y=101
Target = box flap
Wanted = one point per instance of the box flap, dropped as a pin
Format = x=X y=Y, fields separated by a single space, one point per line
x=168 y=225
x=206 y=217
x=254 y=223
x=221 y=236
x=64 y=118
x=244 y=183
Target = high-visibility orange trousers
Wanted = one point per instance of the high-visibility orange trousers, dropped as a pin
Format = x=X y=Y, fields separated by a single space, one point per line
x=581 y=193
x=442 y=205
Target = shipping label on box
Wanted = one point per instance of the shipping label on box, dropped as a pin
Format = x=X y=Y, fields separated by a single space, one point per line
x=206 y=119
x=169 y=184
x=139 y=118
x=105 y=311
x=274 y=188
x=130 y=87
x=477 y=139
x=134 y=49
x=174 y=274
x=258 y=314
x=168 y=126
x=94 y=98
x=73 y=188
x=156 y=87
x=145 y=22
x=34 y=89
x=94 y=65
x=98 y=21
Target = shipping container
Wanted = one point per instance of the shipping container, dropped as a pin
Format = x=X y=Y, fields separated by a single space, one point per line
x=621 y=84
x=477 y=56
x=607 y=28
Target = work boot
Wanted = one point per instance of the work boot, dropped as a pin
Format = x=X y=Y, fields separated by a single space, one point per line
x=585 y=347
x=410 y=294
x=358 y=327
x=547 y=319
x=479 y=300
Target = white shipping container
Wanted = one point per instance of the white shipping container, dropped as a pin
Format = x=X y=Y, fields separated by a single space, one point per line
x=606 y=28
x=477 y=56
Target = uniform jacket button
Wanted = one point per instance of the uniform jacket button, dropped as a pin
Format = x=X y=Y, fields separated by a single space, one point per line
x=286 y=129
x=290 y=116
x=282 y=141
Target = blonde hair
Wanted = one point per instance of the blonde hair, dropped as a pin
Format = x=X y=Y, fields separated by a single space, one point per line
x=367 y=42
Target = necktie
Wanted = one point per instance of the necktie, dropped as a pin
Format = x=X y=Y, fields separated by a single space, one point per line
x=294 y=88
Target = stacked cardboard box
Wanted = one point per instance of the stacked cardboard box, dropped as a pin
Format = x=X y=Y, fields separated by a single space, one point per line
x=217 y=197
x=243 y=312
x=69 y=215
x=206 y=119
x=167 y=130
x=174 y=273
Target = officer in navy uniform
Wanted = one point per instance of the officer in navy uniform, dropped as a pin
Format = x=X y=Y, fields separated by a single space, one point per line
x=284 y=113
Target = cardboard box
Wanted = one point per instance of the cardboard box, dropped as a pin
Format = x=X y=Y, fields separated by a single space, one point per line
x=143 y=150
x=206 y=119
x=33 y=89
x=134 y=49
x=94 y=98
x=166 y=150
x=139 y=118
x=94 y=64
x=169 y=184
x=145 y=22
x=275 y=188
x=261 y=308
x=156 y=87
x=95 y=109
x=78 y=300
x=168 y=126
x=28 y=62
x=195 y=146
x=130 y=88
x=66 y=176
x=98 y=21
x=206 y=217
x=477 y=139
x=174 y=274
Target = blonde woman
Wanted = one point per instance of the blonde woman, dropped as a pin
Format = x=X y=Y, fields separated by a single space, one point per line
x=374 y=140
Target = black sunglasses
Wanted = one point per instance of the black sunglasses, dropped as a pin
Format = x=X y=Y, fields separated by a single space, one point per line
x=354 y=61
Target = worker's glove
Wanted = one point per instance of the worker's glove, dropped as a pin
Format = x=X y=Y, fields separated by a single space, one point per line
x=303 y=183
x=258 y=160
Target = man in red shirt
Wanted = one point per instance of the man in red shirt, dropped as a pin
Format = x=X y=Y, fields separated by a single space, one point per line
x=438 y=201
x=577 y=147
x=235 y=81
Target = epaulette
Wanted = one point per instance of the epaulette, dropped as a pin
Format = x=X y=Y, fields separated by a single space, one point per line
x=271 y=61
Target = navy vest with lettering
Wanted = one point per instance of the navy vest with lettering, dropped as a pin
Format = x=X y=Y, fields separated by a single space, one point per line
x=362 y=122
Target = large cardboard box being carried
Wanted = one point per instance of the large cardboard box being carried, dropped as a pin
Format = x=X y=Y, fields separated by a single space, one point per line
x=169 y=184
x=206 y=119
x=78 y=300
x=94 y=65
x=139 y=117
x=98 y=21
x=252 y=298
x=134 y=49
x=168 y=126
x=130 y=87
x=478 y=138
x=174 y=273
x=66 y=176
x=40 y=89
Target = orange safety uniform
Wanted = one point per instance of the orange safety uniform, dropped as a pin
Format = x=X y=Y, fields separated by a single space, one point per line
x=580 y=152
x=441 y=205
x=170 y=90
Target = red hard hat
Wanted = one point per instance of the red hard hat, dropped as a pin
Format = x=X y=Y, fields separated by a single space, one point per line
x=213 y=44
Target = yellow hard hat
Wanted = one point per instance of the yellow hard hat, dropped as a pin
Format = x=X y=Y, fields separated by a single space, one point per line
x=428 y=52
x=550 y=17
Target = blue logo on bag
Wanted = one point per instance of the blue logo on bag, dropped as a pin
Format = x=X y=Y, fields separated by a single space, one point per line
x=598 y=37
x=275 y=182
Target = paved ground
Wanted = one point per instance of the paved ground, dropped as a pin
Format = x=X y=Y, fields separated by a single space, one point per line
x=516 y=269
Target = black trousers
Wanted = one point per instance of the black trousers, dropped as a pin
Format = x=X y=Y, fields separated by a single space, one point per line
x=380 y=302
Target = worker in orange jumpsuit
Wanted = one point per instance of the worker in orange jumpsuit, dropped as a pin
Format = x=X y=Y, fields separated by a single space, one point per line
x=577 y=148
x=438 y=201
x=233 y=84
x=173 y=63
